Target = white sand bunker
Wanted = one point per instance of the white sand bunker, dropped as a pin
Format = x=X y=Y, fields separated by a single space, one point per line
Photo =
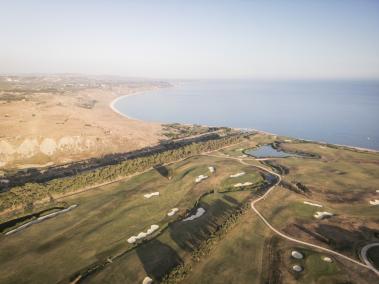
x=172 y=212
x=200 y=178
x=243 y=184
x=151 y=194
x=322 y=215
x=142 y=235
x=199 y=212
x=377 y=191
x=296 y=254
x=374 y=202
x=211 y=169
x=147 y=280
x=237 y=175
x=312 y=204
x=297 y=268
x=327 y=259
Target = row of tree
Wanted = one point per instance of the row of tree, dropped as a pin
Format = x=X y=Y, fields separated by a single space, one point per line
x=29 y=193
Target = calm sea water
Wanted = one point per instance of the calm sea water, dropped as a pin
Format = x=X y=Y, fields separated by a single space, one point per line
x=341 y=112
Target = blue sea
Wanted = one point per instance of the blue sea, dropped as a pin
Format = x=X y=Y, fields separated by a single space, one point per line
x=340 y=112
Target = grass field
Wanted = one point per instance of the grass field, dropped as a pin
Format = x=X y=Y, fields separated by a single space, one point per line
x=207 y=250
x=343 y=182
x=108 y=216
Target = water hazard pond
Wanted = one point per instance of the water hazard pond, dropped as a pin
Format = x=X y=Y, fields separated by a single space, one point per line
x=267 y=151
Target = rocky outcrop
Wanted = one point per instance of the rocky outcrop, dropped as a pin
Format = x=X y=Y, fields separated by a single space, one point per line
x=28 y=148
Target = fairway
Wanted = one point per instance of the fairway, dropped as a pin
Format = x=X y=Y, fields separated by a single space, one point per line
x=106 y=217
x=92 y=242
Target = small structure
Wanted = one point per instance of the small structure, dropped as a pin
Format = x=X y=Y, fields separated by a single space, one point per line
x=200 y=178
x=211 y=169
x=296 y=254
x=374 y=202
x=322 y=215
x=297 y=268
x=151 y=194
x=327 y=259
x=237 y=175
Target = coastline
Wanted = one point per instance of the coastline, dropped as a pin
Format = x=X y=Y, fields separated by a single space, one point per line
x=113 y=102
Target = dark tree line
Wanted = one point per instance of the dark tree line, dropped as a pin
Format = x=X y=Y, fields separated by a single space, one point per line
x=31 y=192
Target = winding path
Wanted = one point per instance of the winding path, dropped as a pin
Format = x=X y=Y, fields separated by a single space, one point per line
x=367 y=264
x=365 y=259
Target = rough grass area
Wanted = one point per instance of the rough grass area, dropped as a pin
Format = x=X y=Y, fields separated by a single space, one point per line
x=237 y=258
x=278 y=266
x=226 y=244
x=343 y=181
x=106 y=217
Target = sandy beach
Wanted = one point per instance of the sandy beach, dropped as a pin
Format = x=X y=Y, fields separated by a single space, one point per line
x=55 y=129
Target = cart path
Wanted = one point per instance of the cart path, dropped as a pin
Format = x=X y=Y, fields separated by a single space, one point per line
x=263 y=197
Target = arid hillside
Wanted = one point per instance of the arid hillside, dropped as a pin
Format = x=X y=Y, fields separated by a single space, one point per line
x=49 y=120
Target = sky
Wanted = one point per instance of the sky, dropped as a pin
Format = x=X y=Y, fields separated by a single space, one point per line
x=294 y=39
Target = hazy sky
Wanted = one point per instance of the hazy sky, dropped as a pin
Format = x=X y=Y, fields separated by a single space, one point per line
x=192 y=39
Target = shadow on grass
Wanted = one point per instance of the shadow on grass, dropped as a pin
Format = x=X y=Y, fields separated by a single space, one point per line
x=157 y=258
x=190 y=234
x=163 y=171
x=342 y=239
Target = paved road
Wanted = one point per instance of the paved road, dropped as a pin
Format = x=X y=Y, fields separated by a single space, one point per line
x=253 y=203
x=365 y=259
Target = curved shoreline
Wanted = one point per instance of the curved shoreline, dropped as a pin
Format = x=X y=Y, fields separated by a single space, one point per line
x=113 y=102
x=112 y=106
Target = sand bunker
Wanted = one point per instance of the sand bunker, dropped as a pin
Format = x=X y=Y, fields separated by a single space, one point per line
x=327 y=259
x=172 y=212
x=297 y=268
x=200 y=178
x=211 y=169
x=237 y=175
x=296 y=254
x=40 y=219
x=151 y=194
x=199 y=212
x=142 y=235
x=147 y=280
x=322 y=215
x=374 y=202
x=243 y=184
x=312 y=204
